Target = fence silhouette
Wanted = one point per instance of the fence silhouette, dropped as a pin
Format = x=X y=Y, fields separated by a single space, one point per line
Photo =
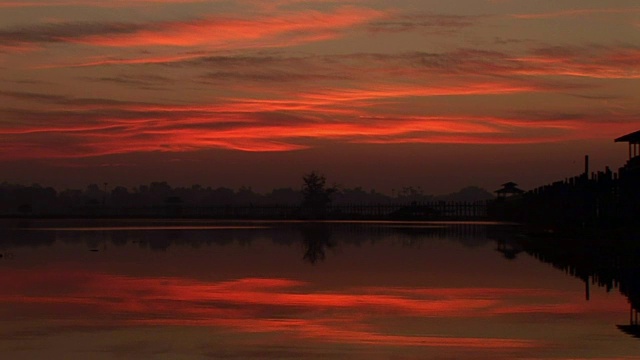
x=436 y=210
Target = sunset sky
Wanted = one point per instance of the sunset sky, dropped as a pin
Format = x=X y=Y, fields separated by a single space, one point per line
x=378 y=93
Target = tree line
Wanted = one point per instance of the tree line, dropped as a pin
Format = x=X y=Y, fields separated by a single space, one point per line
x=314 y=192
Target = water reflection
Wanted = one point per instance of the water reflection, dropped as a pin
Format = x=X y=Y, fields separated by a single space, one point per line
x=160 y=236
x=601 y=260
x=314 y=290
x=257 y=305
x=316 y=238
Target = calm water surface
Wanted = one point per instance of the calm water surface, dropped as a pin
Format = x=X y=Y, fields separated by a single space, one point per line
x=263 y=290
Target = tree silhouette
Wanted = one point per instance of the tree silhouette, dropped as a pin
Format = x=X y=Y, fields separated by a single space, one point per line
x=316 y=195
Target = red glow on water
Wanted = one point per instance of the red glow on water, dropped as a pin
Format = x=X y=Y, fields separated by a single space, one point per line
x=278 y=305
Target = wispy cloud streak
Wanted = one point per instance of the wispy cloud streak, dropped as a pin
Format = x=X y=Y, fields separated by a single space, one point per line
x=597 y=62
x=578 y=12
x=91 y=3
x=214 y=32
x=438 y=23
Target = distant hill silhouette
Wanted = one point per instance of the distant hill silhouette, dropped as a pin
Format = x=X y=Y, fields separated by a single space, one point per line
x=470 y=193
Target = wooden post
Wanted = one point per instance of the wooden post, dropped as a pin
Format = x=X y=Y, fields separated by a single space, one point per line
x=586 y=165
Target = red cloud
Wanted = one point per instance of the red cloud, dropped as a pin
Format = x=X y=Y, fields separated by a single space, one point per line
x=92 y=128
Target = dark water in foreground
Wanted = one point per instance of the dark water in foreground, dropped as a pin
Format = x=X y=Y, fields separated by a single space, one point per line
x=263 y=290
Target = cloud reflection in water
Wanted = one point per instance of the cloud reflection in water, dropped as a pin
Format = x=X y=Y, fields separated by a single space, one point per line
x=270 y=305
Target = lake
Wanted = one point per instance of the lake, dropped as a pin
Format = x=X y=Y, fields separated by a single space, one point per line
x=192 y=289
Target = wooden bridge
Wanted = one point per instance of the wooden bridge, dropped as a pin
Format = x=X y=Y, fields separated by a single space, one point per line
x=603 y=198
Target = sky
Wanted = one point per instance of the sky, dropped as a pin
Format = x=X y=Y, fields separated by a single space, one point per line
x=374 y=93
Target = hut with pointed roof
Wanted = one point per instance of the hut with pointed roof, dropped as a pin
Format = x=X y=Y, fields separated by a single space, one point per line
x=509 y=189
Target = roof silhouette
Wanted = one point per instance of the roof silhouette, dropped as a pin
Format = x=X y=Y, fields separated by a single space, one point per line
x=509 y=188
x=632 y=138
